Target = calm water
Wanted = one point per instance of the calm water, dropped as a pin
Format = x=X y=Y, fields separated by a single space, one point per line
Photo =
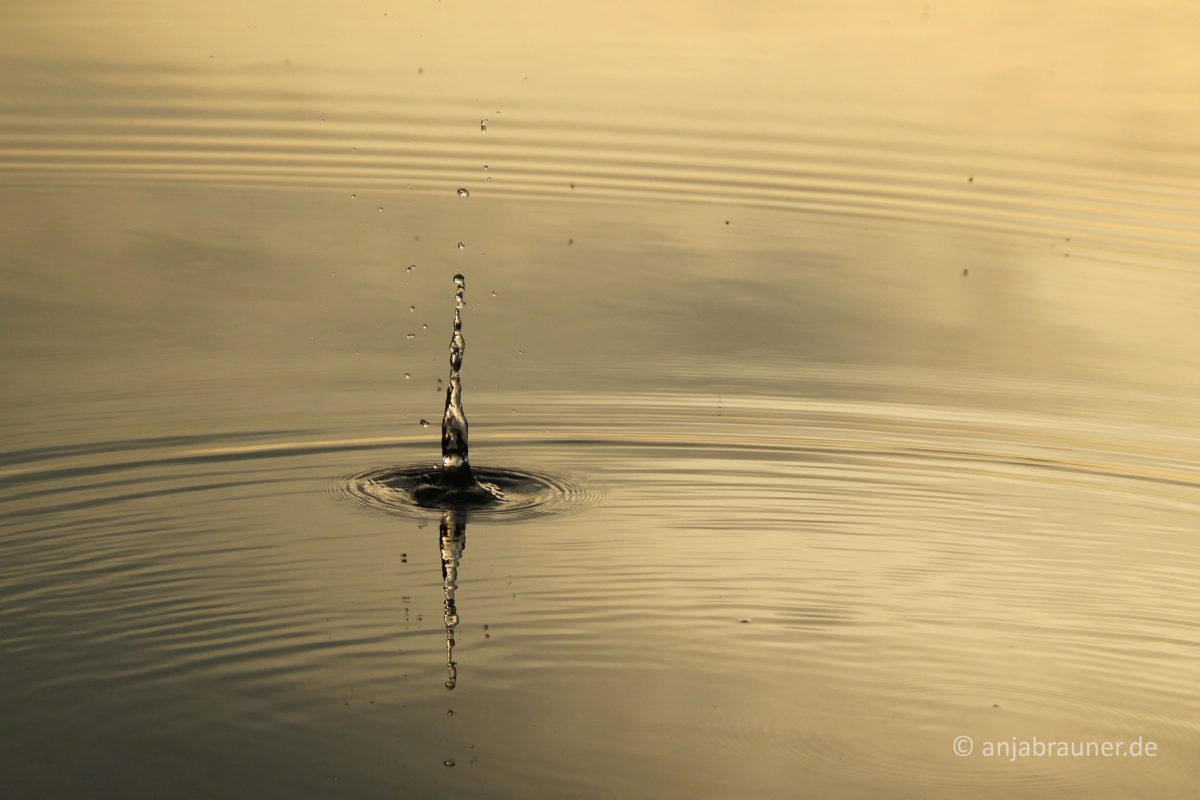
x=858 y=344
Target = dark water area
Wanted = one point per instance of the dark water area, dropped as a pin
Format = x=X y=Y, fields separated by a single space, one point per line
x=839 y=364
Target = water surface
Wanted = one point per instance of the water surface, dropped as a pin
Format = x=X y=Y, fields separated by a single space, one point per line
x=857 y=343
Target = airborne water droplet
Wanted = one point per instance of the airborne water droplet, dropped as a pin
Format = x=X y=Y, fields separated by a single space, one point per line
x=449 y=762
x=483 y=125
x=412 y=308
x=411 y=336
x=462 y=246
x=410 y=267
x=424 y=423
x=463 y=193
x=407 y=377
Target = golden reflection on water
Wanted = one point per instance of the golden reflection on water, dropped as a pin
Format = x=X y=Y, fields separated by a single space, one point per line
x=876 y=320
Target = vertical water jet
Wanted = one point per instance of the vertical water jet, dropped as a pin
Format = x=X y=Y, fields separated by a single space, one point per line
x=455 y=484
x=455 y=463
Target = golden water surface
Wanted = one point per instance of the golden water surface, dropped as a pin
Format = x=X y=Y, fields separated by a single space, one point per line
x=858 y=342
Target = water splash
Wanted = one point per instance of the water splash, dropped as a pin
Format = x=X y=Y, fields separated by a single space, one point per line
x=454 y=420
x=455 y=484
x=498 y=493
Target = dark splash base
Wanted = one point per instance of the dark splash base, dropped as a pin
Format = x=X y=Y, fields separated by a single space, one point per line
x=501 y=492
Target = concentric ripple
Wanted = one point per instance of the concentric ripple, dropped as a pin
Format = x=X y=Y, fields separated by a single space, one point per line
x=527 y=494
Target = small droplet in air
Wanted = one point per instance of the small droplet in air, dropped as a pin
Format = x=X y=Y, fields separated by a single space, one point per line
x=463 y=193
x=485 y=167
x=493 y=292
x=412 y=308
x=462 y=246
x=381 y=209
x=424 y=423
x=449 y=762
x=411 y=336
x=450 y=712
x=353 y=196
x=483 y=125
x=407 y=377
x=424 y=326
x=410 y=267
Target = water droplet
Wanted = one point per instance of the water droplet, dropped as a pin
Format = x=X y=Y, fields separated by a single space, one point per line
x=462 y=246
x=407 y=377
x=520 y=352
x=449 y=762
x=353 y=196
x=493 y=292
x=424 y=423
x=483 y=125
x=412 y=308
x=485 y=167
x=450 y=712
x=424 y=326
x=463 y=193
x=381 y=209
x=411 y=336
x=489 y=178
x=410 y=267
